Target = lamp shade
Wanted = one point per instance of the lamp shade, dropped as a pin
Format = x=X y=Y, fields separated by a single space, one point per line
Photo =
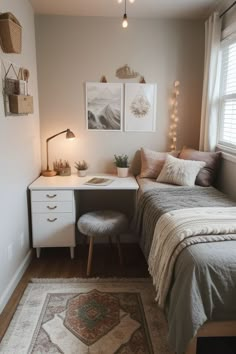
x=69 y=134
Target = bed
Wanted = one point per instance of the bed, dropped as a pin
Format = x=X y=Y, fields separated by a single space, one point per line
x=203 y=282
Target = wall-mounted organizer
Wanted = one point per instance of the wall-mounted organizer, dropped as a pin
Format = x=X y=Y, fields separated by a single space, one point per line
x=10 y=33
x=17 y=101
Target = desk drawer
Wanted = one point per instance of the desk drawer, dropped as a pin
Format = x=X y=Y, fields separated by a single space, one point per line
x=57 y=230
x=52 y=207
x=51 y=195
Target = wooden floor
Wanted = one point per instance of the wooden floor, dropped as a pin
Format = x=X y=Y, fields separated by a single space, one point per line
x=56 y=263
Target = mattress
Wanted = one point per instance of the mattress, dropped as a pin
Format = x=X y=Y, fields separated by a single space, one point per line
x=203 y=287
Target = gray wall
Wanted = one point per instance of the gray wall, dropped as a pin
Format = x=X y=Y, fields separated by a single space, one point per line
x=73 y=50
x=19 y=159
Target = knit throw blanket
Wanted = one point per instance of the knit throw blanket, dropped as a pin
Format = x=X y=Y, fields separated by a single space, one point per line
x=179 y=229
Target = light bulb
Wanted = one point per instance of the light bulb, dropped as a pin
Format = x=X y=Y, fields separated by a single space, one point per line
x=131 y=1
x=125 y=21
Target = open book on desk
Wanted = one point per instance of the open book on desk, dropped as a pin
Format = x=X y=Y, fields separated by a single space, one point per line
x=99 y=181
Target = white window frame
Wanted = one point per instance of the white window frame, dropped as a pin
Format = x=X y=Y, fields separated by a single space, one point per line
x=223 y=145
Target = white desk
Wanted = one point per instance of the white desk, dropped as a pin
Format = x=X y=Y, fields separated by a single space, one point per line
x=53 y=207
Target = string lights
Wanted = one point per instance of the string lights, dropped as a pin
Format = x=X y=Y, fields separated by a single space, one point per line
x=174 y=116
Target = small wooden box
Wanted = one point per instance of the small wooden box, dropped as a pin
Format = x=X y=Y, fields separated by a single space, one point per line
x=21 y=104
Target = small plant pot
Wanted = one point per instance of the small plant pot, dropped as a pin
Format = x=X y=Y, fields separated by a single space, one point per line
x=82 y=173
x=64 y=171
x=122 y=172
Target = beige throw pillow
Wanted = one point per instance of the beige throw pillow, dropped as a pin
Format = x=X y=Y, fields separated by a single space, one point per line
x=152 y=162
x=180 y=172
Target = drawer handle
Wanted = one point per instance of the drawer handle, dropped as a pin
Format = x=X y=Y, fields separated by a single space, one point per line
x=51 y=196
x=52 y=220
x=51 y=208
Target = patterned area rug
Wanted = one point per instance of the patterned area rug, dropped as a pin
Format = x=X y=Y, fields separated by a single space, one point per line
x=84 y=316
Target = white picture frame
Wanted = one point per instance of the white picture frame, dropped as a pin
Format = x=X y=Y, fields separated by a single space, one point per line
x=140 y=107
x=104 y=106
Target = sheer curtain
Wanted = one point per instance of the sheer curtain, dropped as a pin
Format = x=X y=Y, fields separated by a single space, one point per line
x=209 y=114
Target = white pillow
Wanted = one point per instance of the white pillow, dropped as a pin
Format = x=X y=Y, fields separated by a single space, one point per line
x=180 y=172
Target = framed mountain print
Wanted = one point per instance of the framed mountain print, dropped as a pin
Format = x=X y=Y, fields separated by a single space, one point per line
x=104 y=106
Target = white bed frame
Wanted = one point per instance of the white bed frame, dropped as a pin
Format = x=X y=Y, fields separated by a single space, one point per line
x=212 y=329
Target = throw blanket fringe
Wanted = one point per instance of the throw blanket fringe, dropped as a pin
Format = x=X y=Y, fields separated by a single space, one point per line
x=178 y=229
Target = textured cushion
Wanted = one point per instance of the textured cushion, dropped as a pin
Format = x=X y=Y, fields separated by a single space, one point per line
x=207 y=174
x=180 y=172
x=102 y=223
x=152 y=162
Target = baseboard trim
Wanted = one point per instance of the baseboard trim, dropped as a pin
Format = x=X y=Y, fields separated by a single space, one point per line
x=15 y=280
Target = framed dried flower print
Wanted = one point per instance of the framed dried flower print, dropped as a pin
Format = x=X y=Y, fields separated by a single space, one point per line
x=140 y=107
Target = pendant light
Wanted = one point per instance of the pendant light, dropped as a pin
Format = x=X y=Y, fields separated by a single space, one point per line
x=125 y=19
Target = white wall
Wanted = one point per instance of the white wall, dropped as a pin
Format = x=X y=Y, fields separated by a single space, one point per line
x=19 y=159
x=73 y=50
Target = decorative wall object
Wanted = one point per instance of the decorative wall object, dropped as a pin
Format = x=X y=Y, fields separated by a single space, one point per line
x=15 y=91
x=104 y=106
x=174 y=116
x=103 y=79
x=10 y=33
x=140 y=107
x=142 y=80
x=125 y=72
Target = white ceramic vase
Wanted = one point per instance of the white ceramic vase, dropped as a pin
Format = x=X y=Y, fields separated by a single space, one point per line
x=82 y=173
x=122 y=172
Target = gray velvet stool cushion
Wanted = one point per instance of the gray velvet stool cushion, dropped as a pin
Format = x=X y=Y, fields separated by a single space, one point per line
x=102 y=223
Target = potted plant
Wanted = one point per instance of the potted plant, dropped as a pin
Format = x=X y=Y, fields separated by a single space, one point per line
x=62 y=167
x=121 y=162
x=81 y=167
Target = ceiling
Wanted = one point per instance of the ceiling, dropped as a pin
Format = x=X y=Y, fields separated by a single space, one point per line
x=140 y=9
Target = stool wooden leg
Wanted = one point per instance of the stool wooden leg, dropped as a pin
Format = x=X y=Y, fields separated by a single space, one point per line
x=119 y=249
x=90 y=256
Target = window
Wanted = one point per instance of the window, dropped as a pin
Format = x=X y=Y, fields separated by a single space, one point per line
x=227 y=131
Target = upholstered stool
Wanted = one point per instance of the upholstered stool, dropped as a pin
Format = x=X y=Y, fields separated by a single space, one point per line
x=102 y=223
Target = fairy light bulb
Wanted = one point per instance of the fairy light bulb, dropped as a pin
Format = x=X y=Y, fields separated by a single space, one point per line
x=125 y=21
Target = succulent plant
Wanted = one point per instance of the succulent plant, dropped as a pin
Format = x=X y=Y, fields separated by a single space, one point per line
x=81 y=165
x=60 y=164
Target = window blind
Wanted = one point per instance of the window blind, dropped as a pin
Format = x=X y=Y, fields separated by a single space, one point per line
x=228 y=95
